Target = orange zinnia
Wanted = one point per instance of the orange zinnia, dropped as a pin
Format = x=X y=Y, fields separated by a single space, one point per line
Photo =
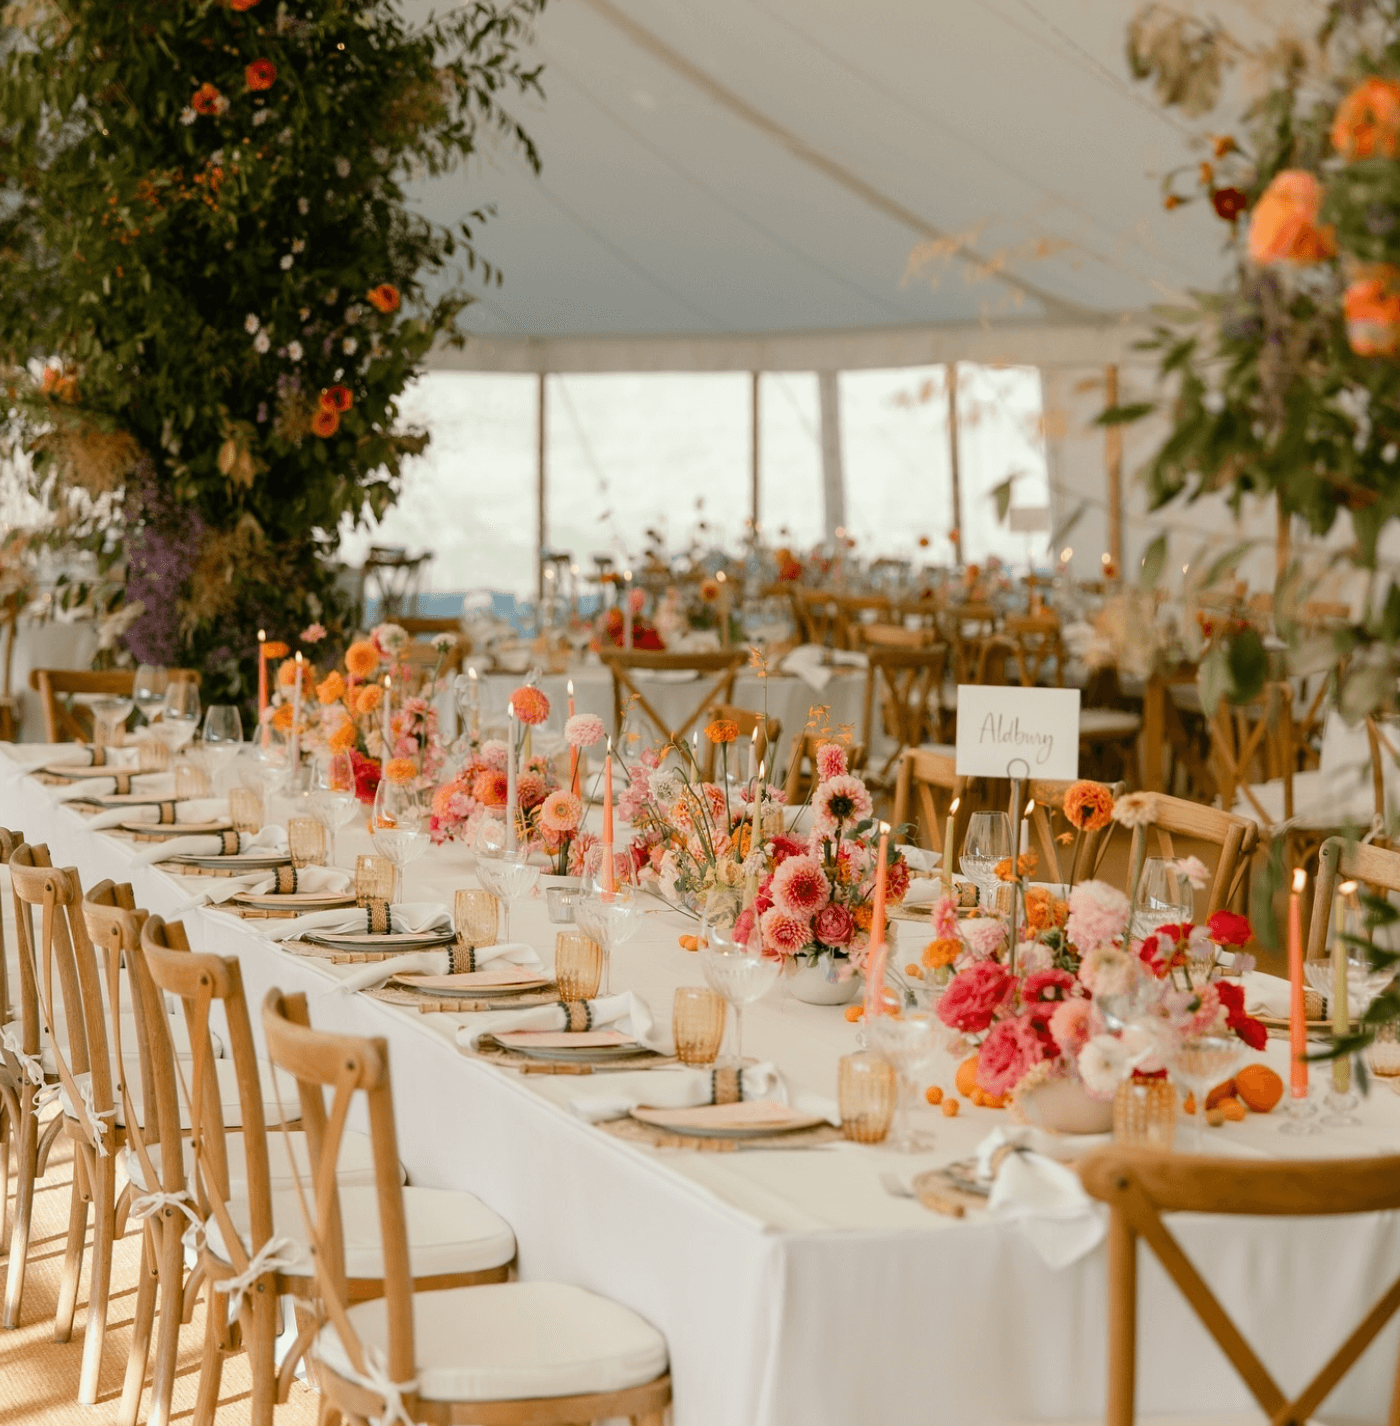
x=361 y=659
x=1367 y=121
x=1026 y=863
x=326 y=421
x=371 y=696
x=1088 y=805
x=384 y=298
x=1284 y=226
x=722 y=730
x=207 y=100
x=337 y=398
x=261 y=74
x=400 y=770
x=942 y=953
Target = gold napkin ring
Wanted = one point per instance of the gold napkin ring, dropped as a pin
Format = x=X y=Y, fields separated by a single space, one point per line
x=461 y=959
x=578 y=1015
x=377 y=919
x=228 y=844
x=165 y=814
x=99 y=757
x=123 y=783
x=726 y=1086
x=285 y=882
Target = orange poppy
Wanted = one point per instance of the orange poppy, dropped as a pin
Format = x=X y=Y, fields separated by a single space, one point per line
x=337 y=398
x=384 y=298
x=261 y=74
x=207 y=100
x=1284 y=226
x=326 y=421
x=1367 y=122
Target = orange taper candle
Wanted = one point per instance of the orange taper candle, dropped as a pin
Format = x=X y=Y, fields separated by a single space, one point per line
x=1297 y=1012
x=609 y=875
x=573 y=751
x=875 y=960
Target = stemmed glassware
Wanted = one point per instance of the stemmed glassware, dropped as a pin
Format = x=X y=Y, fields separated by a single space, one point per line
x=1198 y=1063
x=333 y=793
x=506 y=873
x=611 y=918
x=148 y=689
x=908 y=1042
x=109 y=712
x=179 y=716
x=1163 y=898
x=400 y=826
x=738 y=971
x=222 y=736
x=988 y=841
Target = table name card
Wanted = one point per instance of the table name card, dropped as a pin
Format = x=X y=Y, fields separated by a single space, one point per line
x=996 y=726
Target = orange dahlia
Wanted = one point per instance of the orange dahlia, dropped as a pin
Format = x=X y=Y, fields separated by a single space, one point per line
x=1372 y=307
x=361 y=658
x=261 y=74
x=942 y=952
x=1026 y=863
x=384 y=298
x=1088 y=805
x=326 y=421
x=1367 y=122
x=722 y=730
x=369 y=698
x=530 y=704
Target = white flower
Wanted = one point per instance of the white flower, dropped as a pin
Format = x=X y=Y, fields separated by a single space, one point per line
x=665 y=784
x=1109 y=970
x=342 y=168
x=353 y=313
x=1135 y=809
x=287 y=261
x=216 y=158
x=303 y=206
x=1193 y=869
x=1103 y=1062
x=443 y=642
x=349 y=346
x=298 y=246
x=251 y=324
x=261 y=342
x=188 y=115
x=261 y=116
x=294 y=350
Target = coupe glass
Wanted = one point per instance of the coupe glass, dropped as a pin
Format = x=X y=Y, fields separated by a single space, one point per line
x=611 y=918
x=222 y=737
x=333 y=794
x=109 y=712
x=740 y=972
x=1163 y=898
x=179 y=718
x=506 y=874
x=1198 y=1063
x=148 y=689
x=908 y=1042
x=400 y=827
x=988 y=841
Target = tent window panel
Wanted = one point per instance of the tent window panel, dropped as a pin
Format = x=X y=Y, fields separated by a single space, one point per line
x=629 y=454
x=470 y=498
x=790 y=460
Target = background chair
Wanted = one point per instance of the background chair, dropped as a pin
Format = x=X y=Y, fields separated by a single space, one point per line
x=748 y=722
x=65 y=719
x=721 y=669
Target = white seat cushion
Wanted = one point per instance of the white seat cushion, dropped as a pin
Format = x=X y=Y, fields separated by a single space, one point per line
x=1108 y=723
x=512 y=1340
x=354 y=1167
x=1320 y=799
x=228 y=1094
x=447 y=1232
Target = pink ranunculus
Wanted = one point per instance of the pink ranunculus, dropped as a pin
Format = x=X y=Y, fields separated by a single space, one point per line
x=831 y=761
x=1008 y=1053
x=800 y=886
x=1098 y=915
x=834 y=925
x=784 y=933
x=974 y=995
x=1071 y=1024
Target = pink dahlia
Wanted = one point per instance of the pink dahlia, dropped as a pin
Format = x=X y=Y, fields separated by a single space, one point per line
x=800 y=886
x=783 y=933
x=530 y=789
x=896 y=880
x=974 y=995
x=580 y=851
x=782 y=847
x=489 y=788
x=583 y=730
x=530 y=704
x=1072 y=1023
x=494 y=754
x=842 y=801
x=834 y=925
x=831 y=762
x=1008 y=1054
x=561 y=812
x=984 y=936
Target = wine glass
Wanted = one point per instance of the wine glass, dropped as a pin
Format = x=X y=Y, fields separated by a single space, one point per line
x=1163 y=898
x=1198 y=1063
x=506 y=873
x=908 y=1042
x=222 y=736
x=109 y=712
x=400 y=826
x=611 y=918
x=148 y=689
x=179 y=717
x=988 y=841
x=333 y=793
x=740 y=972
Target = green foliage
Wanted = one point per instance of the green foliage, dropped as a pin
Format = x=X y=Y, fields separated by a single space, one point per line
x=197 y=203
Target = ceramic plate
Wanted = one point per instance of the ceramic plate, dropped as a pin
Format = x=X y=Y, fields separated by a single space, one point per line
x=241 y=862
x=122 y=799
x=75 y=772
x=363 y=941
x=512 y=980
x=295 y=901
x=156 y=830
x=752 y=1119
x=1279 y=1026
x=570 y=1045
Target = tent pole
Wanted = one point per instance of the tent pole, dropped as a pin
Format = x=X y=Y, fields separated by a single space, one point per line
x=754 y=456
x=540 y=522
x=1113 y=458
x=954 y=462
x=833 y=477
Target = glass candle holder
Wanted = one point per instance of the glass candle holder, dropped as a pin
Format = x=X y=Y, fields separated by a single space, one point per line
x=306 y=841
x=374 y=878
x=697 y=1021
x=245 y=809
x=1383 y=1053
x=191 y=781
x=578 y=966
x=865 y=1091
x=152 y=755
x=1144 y=1113
x=476 y=914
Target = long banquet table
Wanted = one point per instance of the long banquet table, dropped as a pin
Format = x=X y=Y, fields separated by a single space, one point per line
x=790 y=1286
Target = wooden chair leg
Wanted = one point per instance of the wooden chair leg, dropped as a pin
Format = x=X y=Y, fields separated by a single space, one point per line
x=171 y=1274
x=104 y=1210
x=260 y=1342
x=26 y=1167
x=7 y=1137
x=211 y=1366
x=144 y=1318
x=73 y=1254
x=1122 y=1323
x=46 y=1142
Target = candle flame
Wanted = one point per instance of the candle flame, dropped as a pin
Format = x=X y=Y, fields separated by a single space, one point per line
x=1300 y=880
x=510 y=707
x=1347 y=888
x=953 y=807
x=753 y=737
x=262 y=636
x=1030 y=807
x=299 y=659
x=571 y=688
x=471 y=674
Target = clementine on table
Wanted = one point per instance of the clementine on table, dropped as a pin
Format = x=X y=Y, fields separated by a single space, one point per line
x=1232 y=1109
x=1259 y=1087
x=950 y=1108
x=934 y=1094
x=1220 y=1092
x=967 y=1077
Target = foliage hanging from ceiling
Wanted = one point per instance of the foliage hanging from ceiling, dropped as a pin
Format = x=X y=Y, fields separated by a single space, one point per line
x=213 y=289
x=1287 y=380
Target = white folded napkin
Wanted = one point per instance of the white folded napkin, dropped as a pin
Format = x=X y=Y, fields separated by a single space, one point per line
x=404 y=916
x=506 y=953
x=618 y=1094
x=270 y=839
x=920 y=859
x=1044 y=1197
x=1267 y=995
x=194 y=809
x=626 y=1012
x=260 y=883
x=924 y=891
x=813 y=664
x=156 y=785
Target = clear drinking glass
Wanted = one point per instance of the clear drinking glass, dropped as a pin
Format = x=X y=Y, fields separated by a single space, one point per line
x=306 y=841
x=578 y=966
x=508 y=874
x=333 y=793
x=148 y=689
x=400 y=826
x=476 y=915
x=611 y=918
x=908 y=1043
x=191 y=781
x=740 y=972
x=697 y=1022
x=179 y=718
x=1163 y=898
x=374 y=878
x=988 y=841
x=865 y=1091
x=245 y=809
x=222 y=736
x=1198 y=1063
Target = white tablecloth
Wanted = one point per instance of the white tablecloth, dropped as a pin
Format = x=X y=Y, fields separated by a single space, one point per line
x=793 y=1291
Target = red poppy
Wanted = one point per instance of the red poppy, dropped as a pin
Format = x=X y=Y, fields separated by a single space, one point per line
x=384 y=298
x=207 y=100
x=242 y=4
x=261 y=74
x=337 y=398
x=326 y=421
x=1229 y=203
x=1229 y=928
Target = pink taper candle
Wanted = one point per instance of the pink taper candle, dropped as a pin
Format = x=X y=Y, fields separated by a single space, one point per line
x=573 y=751
x=609 y=875
x=875 y=960
x=1297 y=1012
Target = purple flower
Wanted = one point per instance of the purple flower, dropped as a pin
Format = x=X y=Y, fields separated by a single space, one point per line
x=262 y=412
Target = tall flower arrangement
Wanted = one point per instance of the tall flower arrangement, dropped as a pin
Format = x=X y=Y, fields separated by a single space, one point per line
x=215 y=290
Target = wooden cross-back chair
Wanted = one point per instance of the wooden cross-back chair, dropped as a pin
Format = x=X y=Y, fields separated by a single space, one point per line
x=802 y=762
x=905 y=686
x=1048 y=822
x=68 y=722
x=927 y=784
x=748 y=723
x=62 y=965
x=1234 y=836
x=370 y=1353
x=1253 y=743
x=1027 y=651
x=1381 y=735
x=715 y=673
x=896 y=636
x=967 y=628
x=1342 y=859
x=816 y=616
x=1140 y=1186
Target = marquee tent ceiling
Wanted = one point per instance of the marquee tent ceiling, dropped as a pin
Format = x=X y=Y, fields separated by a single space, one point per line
x=743 y=183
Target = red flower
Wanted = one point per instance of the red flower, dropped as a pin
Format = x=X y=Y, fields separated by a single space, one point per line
x=338 y=398
x=1250 y=1030
x=384 y=298
x=1228 y=928
x=1008 y=1054
x=367 y=774
x=208 y=100
x=261 y=74
x=974 y=996
x=1042 y=991
x=896 y=880
x=242 y=4
x=834 y=925
x=784 y=847
x=1228 y=203
x=326 y=421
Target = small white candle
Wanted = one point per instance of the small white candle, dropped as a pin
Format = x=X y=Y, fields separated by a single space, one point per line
x=510 y=776
x=388 y=730
x=475 y=706
x=753 y=755
x=296 y=716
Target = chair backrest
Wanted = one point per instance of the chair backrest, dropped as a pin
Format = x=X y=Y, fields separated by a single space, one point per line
x=1048 y=823
x=894 y=636
x=8 y=842
x=1140 y=1185
x=721 y=667
x=60 y=965
x=748 y=723
x=68 y=722
x=347 y=1065
x=198 y=980
x=1235 y=836
x=802 y=762
x=1342 y=859
x=1253 y=743
x=926 y=787
x=420 y=627
x=909 y=685
x=1028 y=651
